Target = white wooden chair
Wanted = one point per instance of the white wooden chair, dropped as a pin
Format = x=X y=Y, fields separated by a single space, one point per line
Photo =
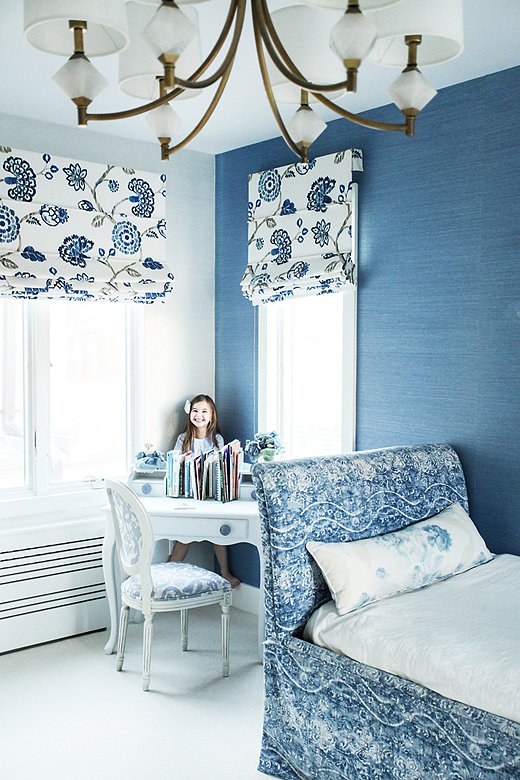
x=161 y=587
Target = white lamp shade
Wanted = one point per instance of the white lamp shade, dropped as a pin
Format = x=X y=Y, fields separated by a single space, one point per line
x=46 y=25
x=352 y=37
x=169 y=31
x=79 y=78
x=138 y=64
x=411 y=90
x=296 y=25
x=340 y=5
x=440 y=23
x=163 y=121
x=305 y=126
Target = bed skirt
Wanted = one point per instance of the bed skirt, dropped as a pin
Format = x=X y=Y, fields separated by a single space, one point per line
x=330 y=718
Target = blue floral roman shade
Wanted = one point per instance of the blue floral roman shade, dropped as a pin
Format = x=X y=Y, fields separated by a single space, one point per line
x=301 y=229
x=81 y=230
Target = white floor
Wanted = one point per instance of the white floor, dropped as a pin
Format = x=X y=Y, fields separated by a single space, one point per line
x=66 y=714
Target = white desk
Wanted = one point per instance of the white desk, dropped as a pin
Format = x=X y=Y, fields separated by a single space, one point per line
x=186 y=520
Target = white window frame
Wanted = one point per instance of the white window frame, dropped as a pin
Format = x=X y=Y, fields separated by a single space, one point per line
x=349 y=358
x=265 y=414
x=41 y=498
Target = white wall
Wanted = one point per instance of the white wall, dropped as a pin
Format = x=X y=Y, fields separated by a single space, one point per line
x=179 y=335
x=180 y=345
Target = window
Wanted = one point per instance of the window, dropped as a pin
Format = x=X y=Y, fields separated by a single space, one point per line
x=307 y=373
x=64 y=393
x=12 y=422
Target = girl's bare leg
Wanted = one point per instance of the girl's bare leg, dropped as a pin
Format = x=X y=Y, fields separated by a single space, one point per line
x=222 y=558
x=178 y=553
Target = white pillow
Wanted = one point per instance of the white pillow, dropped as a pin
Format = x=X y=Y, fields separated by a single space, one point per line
x=367 y=570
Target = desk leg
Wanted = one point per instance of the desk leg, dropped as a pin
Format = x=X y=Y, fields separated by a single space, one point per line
x=111 y=585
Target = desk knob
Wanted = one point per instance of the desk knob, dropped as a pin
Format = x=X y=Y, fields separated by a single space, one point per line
x=225 y=530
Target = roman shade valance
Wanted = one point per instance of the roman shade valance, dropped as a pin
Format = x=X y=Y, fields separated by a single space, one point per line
x=301 y=222
x=81 y=230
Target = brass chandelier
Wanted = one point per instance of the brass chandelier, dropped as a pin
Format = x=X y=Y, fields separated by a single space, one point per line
x=161 y=61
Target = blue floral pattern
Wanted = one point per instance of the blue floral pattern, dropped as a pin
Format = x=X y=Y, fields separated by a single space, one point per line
x=23 y=179
x=143 y=198
x=53 y=215
x=30 y=253
x=177 y=581
x=327 y=716
x=438 y=537
x=9 y=225
x=318 y=198
x=129 y=529
x=58 y=216
x=288 y=207
x=415 y=556
x=269 y=185
x=321 y=232
x=76 y=176
x=282 y=212
x=74 y=250
x=126 y=237
x=283 y=246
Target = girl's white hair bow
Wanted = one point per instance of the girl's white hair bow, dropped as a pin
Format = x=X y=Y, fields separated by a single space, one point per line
x=187 y=407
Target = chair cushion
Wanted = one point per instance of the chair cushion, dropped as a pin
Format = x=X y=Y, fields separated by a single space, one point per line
x=173 y=581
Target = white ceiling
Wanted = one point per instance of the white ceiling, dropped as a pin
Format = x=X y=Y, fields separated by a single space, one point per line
x=492 y=43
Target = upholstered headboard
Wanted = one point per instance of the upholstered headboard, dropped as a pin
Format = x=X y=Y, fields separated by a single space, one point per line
x=338 y=499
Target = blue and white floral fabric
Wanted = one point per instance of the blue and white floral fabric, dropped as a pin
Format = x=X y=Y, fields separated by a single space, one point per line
x=81 y=230
x=364 y=571
x=302 y=229
x=129 y=529
x=173 y=581
x=327 y=716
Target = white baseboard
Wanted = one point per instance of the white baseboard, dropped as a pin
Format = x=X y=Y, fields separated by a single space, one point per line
x=247 y=598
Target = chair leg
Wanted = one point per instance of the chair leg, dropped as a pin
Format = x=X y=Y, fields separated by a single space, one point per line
x=184 y=629
x=121 y=640
x=147 y=650
x=225 y=605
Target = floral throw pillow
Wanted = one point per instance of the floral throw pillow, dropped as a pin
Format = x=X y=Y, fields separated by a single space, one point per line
x=367 y=570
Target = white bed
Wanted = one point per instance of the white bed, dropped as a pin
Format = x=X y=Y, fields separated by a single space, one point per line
x=459 y=637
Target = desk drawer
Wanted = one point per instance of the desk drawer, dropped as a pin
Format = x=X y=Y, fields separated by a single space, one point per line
x=223 y=531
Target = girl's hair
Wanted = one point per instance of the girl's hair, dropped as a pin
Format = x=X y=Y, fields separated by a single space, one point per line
x=190 y=429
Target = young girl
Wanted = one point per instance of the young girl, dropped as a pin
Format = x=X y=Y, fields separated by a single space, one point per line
x=200 y=435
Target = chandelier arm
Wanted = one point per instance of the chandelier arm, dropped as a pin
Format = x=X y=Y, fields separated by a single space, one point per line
x=361 y=120
x=239 y=9
x=130 y=112
x=166 y=152
x=269 y=91
x=283 y=62
x=232 y=10
x=237 y=12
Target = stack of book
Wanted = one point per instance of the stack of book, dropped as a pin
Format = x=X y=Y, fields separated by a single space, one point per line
x=213 y=474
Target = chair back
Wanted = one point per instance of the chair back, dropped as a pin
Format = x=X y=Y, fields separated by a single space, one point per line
x=133 y=532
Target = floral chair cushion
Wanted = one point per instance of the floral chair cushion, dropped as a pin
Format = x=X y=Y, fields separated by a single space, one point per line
x=172 y=581
x=367 y=570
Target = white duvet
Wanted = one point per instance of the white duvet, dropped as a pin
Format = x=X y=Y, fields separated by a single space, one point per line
x=459 y=637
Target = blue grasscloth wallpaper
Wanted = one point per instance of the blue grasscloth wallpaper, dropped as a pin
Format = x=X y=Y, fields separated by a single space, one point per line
x=439 y=291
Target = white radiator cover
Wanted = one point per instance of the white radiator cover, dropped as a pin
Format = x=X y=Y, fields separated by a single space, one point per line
x=51 y=582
